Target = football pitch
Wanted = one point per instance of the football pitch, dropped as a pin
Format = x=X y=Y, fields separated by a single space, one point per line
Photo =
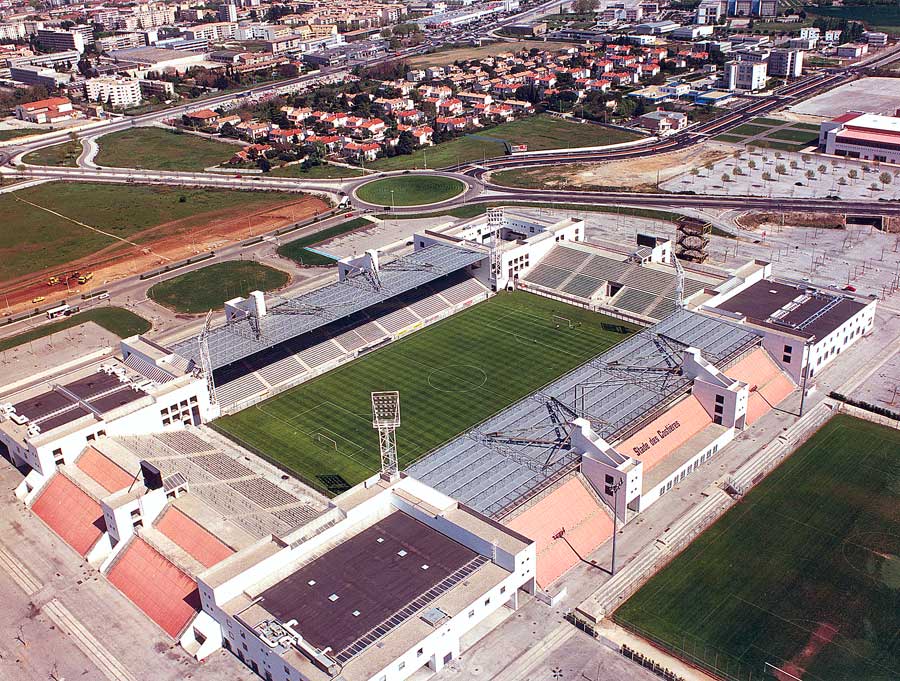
x=450 y=375
x=803 y=574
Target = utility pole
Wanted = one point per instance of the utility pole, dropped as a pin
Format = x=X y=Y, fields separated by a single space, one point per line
x=614 y=490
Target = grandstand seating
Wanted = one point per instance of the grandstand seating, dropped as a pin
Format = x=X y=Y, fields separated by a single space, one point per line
x=399 y=319
x=70 y=513
x=320 y=354
x=281 y=371
x=769 y=384
x=647 y=291
x=245 y=497
x=570 y=507
x=431 y=305
x=350 y=340
x=285 y=365
x=240 y=389
x=633 y=300
x=547 y=276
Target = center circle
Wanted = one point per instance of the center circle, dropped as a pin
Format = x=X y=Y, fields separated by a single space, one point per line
x=457 y=378
x=409 y=190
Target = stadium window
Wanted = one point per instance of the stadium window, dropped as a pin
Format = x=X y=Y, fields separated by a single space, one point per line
x=662 y=490
x=57 y=456
x=788 y=349
x=402 y=665
x=471 y=614
x=502 y=589
x=101 y=433
x=420 y=652
x=90 y=438
x=720 y=399
x=487 y=601
x=718 y=419
x=786 y=359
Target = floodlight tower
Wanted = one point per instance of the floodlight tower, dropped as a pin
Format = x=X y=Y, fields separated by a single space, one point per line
x=495 y=217
x=386 y=419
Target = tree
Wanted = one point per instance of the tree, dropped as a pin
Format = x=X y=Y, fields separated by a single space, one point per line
x=810 y=175
x=866 y=168
x=874 y=187
x=726 y=177
x=777 y=154
x=751 y=164
x=842 y=181
x=766 y=176
x=794 y=165
x=806 y=158
x=822 y=168
x=406 y=143
x=750 y=149
x=885 y=178
x=585 y=6
x=853 y=174
x=737 y=172
x=780 y=169
x=264 y=164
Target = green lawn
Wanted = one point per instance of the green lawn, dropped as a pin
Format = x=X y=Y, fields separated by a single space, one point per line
x=748 y=130
x=767 y=122
x=324 y=171
x=804 y=573
x=876 y=17
x=123 y=323
x=209 y=287
x=410 y=190
x=442 y=391
x=538 y=132
x=729 y=138
x=764 y=143
x=461 y=150
x=160 y=149
x=807 y=137
x=65 y=154
x=297 y=249
x=11 y=134
x=32 y=239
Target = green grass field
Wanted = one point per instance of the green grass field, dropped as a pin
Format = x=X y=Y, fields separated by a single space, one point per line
x=14 y=133
x=793 y=135
x=32 y=239
x=444 y=389
x=159 y=149
x=297 y=250
x=410 y=190
x=804 y=573
x=876 y=17
x=117 y=320
x=65 y=154
x=209 y=287
x=748 y=130
x=538 y=132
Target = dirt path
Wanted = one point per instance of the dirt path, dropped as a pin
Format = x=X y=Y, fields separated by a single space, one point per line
x=155 y=246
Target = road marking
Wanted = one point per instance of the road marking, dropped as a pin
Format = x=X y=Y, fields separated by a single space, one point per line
x=89 y=645
x=20 y=574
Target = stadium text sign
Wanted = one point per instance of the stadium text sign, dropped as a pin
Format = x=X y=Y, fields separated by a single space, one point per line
x=662 y=433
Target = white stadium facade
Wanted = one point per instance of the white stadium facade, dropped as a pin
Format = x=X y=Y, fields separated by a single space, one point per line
x=119 y=462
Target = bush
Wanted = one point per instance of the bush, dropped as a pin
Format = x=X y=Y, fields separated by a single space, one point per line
x=874 y=408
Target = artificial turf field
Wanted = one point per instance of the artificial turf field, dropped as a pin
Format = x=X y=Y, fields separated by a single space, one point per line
x=450 y=375
x=804 y=573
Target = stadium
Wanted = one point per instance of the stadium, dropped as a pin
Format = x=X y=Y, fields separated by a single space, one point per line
x=549 y=388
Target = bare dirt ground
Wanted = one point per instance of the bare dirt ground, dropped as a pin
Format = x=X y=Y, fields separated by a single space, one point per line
x=767 y=221
x=637 y=173
x=164 y=243
x=459 y=54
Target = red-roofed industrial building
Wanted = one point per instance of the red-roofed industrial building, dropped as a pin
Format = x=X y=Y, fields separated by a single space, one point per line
x=867 y=136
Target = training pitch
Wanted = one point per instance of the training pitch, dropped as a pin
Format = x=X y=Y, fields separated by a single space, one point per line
x=450 y=376
x=803 y=574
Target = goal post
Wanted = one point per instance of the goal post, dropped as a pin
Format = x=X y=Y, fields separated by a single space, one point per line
x=559 y=321
x=325 y=441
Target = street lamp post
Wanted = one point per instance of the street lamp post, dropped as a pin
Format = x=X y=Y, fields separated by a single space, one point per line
x=614 y=490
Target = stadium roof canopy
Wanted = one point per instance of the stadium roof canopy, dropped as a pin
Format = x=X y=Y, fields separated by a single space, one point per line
x=522 y=449
x=290 y=317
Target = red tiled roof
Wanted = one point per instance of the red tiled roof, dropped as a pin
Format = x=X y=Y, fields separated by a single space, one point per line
x=198 y=542
x=150 y=581
x=868 y=136
x=109 y=475
x=71 y=513
x=849 y=116
x=573 y=508
x=49 y=103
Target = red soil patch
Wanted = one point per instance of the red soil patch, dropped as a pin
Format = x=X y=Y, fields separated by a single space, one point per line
x=818 y=639
x=162 y=244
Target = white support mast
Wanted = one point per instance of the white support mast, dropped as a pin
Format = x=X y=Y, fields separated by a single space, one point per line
x=205 y=361
x=386 y=419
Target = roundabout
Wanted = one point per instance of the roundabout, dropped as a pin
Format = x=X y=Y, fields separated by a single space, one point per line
x=457 y=378
x=409 y=190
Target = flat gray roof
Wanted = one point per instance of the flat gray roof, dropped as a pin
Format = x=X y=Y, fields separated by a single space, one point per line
x=291 y=317
x=492 y=468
